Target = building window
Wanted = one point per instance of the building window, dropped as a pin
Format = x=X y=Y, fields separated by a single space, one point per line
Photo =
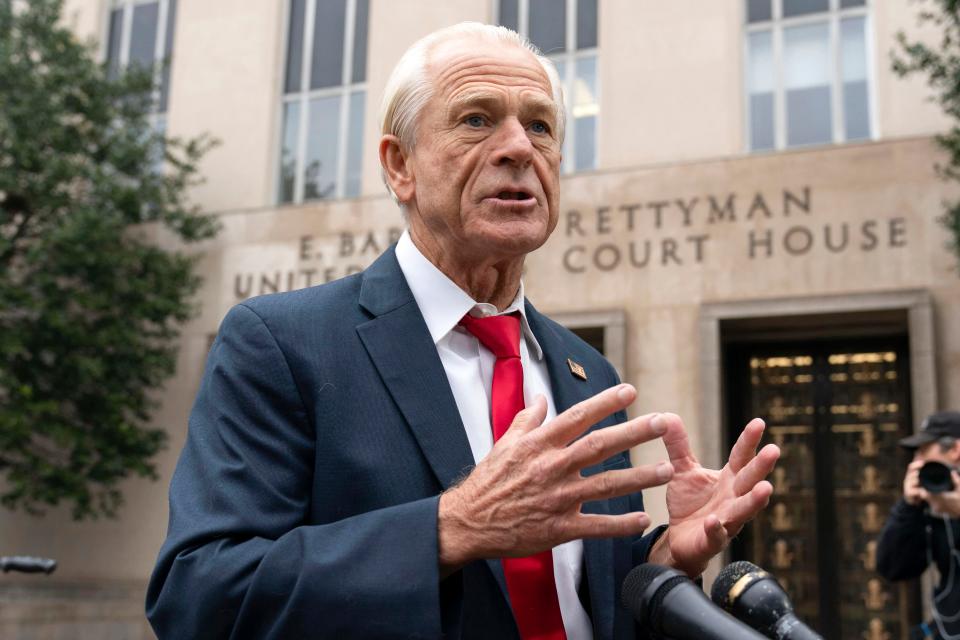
x=807 y=77
x=324 y=94
x=566 y=32
x=141 y=36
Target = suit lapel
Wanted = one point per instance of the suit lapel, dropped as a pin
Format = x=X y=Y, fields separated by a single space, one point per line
x=567 y=390
x=404 y=354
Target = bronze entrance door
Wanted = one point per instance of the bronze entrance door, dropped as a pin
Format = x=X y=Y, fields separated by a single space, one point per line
x=836 y=409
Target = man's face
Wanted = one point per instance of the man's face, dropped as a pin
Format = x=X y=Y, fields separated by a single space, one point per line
x=933 y=451
x=486 y=163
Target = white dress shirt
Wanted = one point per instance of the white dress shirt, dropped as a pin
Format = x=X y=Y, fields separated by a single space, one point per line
x=469 y=369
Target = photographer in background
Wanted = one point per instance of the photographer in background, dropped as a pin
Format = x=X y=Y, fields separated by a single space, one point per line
x=924 y=526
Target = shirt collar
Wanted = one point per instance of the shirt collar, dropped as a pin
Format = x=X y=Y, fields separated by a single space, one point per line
x=443 y=303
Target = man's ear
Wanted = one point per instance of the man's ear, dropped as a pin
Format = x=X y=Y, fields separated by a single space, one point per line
x=397 y=168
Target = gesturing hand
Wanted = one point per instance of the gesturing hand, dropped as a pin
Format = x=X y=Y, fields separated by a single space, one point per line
x=708 y=507
x=525 y=496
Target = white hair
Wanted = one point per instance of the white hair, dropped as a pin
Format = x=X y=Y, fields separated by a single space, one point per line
x=409 y=89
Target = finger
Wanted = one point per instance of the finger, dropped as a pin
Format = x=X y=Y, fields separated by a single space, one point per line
x=573 y=422
x=747 y=506
x=528 y=419
x=677 y=444
x=913 y=479
x=611 y=484
x=746 y=445
x=915 y=465
x=593 y=525
x=716 y=534
x=756 y=470
x=600 y=444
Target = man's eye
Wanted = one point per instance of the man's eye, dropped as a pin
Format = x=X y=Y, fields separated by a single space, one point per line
x=540 y=127
x=474 y=121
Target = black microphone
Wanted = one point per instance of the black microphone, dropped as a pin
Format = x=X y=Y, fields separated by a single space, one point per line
x=754 y=596
x=671 y=607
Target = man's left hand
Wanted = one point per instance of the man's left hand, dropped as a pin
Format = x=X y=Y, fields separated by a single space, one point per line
x=708 y=507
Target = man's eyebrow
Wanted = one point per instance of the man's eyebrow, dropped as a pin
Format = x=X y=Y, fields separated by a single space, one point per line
x=467 y=99
x=541 y=106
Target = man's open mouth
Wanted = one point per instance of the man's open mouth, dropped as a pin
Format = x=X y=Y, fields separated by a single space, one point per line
x=514 y=195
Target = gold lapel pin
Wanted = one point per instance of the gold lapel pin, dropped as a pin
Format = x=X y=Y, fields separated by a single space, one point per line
x=576 y=369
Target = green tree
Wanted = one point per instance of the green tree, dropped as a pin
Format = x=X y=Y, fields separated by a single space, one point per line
x=941 y=66
x=90 y=307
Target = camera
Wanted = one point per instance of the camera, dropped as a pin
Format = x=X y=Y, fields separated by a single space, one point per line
x=935 y=477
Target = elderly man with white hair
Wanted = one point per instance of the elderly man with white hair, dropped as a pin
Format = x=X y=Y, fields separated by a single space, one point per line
x=414 y=451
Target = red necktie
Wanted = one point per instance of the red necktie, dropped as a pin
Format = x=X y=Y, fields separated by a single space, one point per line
x=530 y=581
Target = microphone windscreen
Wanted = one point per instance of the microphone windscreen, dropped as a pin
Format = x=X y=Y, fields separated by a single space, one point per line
x=729 y=577
x=637 y=582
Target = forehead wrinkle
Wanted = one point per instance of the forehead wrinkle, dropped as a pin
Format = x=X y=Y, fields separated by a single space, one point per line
x=482 y=91
x=488 y=90
x=493 y=73
x=469 y=63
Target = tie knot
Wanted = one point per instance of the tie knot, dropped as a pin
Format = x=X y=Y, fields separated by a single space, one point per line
x=499 y=334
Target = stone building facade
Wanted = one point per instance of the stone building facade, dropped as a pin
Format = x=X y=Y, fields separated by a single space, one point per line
x=748 y=227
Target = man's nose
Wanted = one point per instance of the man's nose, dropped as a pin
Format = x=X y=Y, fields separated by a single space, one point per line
x=513 y=145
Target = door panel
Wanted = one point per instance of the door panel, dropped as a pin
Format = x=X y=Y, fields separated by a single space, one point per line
x=836 y=410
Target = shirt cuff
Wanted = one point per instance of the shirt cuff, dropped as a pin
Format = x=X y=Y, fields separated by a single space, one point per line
x=649 y=540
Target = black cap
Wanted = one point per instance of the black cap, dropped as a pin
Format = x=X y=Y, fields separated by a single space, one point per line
x=934 y=427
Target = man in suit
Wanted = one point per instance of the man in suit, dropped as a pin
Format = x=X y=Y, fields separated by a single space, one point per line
x=359 y=460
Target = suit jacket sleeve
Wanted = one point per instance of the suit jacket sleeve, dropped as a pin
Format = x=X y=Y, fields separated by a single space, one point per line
x=240 y=560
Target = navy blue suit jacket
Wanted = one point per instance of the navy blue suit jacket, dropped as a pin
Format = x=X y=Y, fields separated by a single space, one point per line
x=304 y=503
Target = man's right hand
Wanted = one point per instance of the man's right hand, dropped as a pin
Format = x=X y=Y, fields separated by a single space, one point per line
x=525 y=496
x=913 y=493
